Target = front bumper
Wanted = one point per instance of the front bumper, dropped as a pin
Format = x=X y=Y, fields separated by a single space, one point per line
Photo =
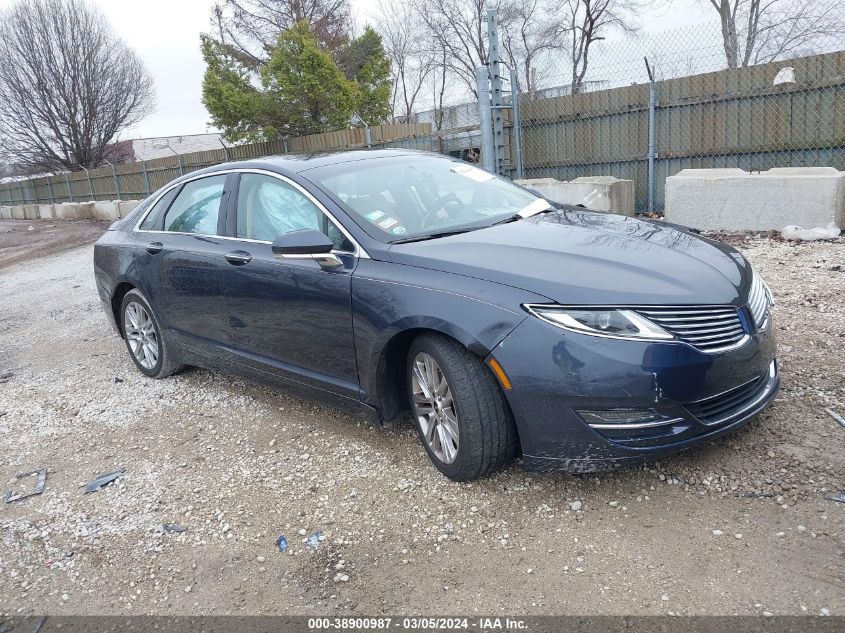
x=555 y=373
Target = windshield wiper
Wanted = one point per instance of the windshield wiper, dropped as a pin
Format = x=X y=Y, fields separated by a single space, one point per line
x=433 y=236
x=527 y=212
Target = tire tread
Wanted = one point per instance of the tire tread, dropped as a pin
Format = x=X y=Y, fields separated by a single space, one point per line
x=488 y=432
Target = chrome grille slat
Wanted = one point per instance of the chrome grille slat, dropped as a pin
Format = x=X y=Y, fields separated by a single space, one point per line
x=714 y=332
x=708 y=312
x=692 y=327
x=708 y=329
x=758 y=301
x=692 y=320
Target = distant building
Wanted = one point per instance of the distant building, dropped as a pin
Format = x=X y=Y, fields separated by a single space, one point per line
x=150 y=148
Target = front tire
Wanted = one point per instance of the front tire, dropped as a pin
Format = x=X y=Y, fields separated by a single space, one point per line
x=460 y=414
x=148 y=349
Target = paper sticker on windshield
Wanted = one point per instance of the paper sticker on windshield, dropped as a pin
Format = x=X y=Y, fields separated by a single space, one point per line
x=388 y=223
x=473 y=173
x=375 y=216
x=399 y=230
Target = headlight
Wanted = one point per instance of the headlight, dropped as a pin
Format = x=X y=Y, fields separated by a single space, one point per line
x=611 y=323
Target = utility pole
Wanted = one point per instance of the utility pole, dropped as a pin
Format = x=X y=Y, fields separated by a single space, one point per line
x=496 y=97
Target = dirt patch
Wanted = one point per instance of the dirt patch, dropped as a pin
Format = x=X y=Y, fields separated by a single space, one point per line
x=739 y=526
x=21 y=240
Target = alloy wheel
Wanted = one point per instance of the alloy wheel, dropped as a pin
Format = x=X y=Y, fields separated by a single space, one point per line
x=141 y=335
x=434 y=408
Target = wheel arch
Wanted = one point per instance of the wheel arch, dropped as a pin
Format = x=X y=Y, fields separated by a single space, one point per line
x=119 y=293
x=389 y=383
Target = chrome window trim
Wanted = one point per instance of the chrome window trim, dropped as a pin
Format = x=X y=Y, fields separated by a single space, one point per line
x=358 y=252
x=531 y=309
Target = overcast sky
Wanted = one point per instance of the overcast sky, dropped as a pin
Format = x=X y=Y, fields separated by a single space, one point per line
x=165 y=33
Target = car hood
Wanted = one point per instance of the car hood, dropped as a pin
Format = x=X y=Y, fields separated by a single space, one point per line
x=573 y=256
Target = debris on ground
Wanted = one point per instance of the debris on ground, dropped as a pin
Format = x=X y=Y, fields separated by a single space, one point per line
x=104 y=480
x=793 y=232
x=835 y=415
x=836 y=496
x=282 y=543
x=117 y=379
x=313 y=541
x=173 y=528
x=5 y=376
x=39 y=486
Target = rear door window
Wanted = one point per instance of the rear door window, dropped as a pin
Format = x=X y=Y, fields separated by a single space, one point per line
x=197 y=207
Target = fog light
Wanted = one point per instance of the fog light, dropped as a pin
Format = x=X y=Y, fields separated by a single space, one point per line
x=614 y=419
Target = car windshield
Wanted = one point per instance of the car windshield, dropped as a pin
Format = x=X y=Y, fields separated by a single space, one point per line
x=406 y=197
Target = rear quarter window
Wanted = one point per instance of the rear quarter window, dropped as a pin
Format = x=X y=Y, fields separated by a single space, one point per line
x=153 y=220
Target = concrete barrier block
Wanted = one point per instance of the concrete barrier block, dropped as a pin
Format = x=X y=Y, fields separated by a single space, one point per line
x=127 y=206
x=597 y=193
x=5 y=213
x=66 y=210
x=85 y=210
x=18 y=212
x=45 y=211
x=106 y=210
x=30 y=211
x=735 y=200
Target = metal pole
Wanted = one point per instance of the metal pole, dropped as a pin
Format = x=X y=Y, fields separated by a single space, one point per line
x=116 y=181
x=482 y=80
x=652 y=108
x=517 y=124
x=496 y=97
x=50 y=189
x=69 y=190
x=146 y=177
x=88 y=178
x=368 y=136
x=225 y=149
x=178 y=158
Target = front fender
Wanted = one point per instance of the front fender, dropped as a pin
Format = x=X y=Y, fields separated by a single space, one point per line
x=391 y=299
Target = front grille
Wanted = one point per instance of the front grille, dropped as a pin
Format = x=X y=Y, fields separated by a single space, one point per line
x=758 y=301
x=708 y=329
x=730 y=404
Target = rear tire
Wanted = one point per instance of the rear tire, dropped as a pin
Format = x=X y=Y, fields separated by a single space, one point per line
x=148 y=349
x=461 y=416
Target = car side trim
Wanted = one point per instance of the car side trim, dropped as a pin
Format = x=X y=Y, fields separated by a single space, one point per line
x=358 y=252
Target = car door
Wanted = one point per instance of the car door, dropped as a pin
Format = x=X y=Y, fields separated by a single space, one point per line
x=292 y=317
x=189 y=254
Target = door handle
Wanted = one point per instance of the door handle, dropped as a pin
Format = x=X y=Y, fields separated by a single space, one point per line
x=238 y=258
x=154 y=248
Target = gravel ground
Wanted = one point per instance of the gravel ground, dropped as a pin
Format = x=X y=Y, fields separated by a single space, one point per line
x=24 y=239
x=739 y=526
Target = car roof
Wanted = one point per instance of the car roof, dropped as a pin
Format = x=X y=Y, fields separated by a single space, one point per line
x=295 y=163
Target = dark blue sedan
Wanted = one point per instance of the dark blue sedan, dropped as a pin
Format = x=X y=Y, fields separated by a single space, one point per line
x=395 y=282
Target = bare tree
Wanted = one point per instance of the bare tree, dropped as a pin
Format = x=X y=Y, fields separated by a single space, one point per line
x=411 y=60
x=755 y=31
x=457 y=32
x=251 y=27
x=585 y=22
x=529 y=29
x=68 y=84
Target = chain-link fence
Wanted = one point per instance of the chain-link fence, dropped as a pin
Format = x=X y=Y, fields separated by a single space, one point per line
x=137 y=180
x=650 y=106
x=647 y=107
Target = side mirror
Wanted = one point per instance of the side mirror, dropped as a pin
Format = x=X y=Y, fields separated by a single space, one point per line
x=306 y=244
